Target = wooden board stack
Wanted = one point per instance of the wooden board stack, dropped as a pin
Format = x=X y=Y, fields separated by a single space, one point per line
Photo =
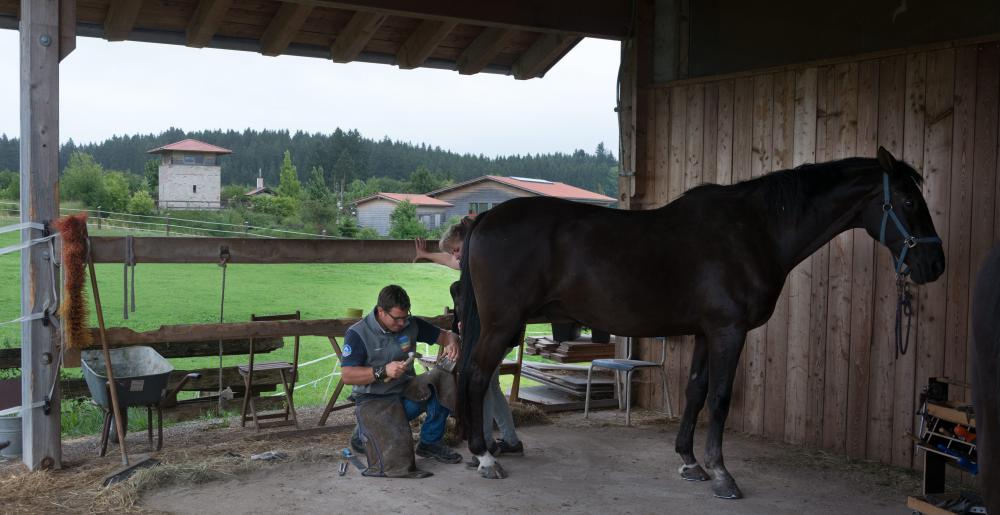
x=576 y=351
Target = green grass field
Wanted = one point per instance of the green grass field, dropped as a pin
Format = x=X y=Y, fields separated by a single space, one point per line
x=190 y=294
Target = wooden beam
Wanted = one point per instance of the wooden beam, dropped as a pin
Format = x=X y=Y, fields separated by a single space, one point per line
x=422 y=42
x=111 y=249
x=545 y=51
x=591 y=18
x=169 y=350
x=11 y=358
x=205 y=22
x=482 y=50
x=283 y=28
x=118 y=336
x=355 y=36
x=39 y=149
x=263 y=380
x=67 y=28
x=120 y=19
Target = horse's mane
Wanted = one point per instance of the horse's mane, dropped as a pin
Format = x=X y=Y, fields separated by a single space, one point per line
x=789 y=192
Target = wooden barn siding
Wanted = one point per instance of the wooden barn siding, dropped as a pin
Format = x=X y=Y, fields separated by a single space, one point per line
x=823 y=370
x=486 y=191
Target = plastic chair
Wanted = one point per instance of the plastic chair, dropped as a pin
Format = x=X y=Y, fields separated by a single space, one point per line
x=628 y=366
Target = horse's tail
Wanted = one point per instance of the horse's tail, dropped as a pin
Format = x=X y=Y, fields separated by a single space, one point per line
x=468 y=312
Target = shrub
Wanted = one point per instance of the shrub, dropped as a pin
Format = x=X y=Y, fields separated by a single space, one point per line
x=141 y=203
x=403 y=223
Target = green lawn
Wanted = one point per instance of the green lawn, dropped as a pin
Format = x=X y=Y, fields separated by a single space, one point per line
x=190 y=294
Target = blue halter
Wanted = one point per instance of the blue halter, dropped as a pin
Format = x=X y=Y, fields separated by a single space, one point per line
x=909 y=241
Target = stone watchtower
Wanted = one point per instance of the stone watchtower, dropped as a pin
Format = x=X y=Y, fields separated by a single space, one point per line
x=190 y=175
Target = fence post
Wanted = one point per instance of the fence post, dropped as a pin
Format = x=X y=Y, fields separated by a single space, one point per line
x=98 y=217
x=168 y=224
x=246 y=227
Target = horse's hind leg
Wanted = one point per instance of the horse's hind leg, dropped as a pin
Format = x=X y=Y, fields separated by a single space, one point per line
x=724 y=350
x=697 y=390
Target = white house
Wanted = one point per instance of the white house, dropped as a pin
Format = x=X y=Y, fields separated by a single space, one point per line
x=190 y=175
x=374 y=211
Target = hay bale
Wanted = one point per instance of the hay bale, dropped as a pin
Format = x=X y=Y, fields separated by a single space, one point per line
x=528 y=414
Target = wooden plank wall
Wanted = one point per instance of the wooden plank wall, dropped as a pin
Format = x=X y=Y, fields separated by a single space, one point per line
x=823 y=371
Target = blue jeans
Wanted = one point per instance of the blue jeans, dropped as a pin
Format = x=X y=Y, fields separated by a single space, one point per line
x=432 y=430
x=495 y=407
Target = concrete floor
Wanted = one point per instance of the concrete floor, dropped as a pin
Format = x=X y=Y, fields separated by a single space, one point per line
x=574 y=466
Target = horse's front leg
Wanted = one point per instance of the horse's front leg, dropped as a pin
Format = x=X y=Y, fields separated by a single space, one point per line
x=487 y=358
x=488 y=466
x=724 y=350
x=697 y=390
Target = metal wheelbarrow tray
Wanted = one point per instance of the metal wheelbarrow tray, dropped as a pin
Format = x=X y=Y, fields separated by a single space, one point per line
x=141 y=377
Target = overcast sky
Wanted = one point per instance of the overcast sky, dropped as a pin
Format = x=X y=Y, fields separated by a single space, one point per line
x=127 y=88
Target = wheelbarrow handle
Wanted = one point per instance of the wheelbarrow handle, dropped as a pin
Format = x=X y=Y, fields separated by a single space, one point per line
x=170 y=398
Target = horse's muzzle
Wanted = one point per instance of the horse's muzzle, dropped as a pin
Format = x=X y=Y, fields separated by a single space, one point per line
x=926 y=264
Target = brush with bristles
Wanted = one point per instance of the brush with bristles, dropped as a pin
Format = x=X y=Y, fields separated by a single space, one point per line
x=74 y=312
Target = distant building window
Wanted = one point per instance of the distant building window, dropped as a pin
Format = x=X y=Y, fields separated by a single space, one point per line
x=194 y=188
x=209 y=160
x=189 y=160
x=479 y=207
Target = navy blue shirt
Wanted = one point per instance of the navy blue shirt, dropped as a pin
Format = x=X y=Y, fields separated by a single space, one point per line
x=355 y=354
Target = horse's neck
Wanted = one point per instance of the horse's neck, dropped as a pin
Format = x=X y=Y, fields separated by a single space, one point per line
x=828 y=214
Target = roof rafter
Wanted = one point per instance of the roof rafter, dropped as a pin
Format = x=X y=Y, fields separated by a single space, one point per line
x=355 y=36
x=283 y=27
x=540 y=56
x=593 y=18
x=482 y=50
x=419 y=46
x=120 y=19
x=205 y=21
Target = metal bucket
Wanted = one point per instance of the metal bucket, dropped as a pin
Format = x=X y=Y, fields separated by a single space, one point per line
x=10 y=431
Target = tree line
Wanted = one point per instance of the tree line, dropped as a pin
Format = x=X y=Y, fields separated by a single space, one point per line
x=343 y=158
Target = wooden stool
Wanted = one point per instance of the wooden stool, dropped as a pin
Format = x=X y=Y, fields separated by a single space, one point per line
x=288 y=373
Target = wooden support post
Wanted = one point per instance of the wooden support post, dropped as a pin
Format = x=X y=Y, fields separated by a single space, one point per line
x=40 y=36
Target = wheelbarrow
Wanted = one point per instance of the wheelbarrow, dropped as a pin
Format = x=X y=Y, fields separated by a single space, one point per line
x=141 y=376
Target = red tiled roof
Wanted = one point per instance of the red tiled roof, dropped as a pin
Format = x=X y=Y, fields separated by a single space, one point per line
x=538 y=187
x=191 y=145
x=417 y=200
x=258 y=191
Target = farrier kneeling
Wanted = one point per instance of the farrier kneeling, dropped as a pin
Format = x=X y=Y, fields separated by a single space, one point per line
x=378 y=362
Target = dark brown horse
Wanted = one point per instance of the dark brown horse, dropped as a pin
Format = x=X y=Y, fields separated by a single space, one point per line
x=712 y=264
x=986 y=376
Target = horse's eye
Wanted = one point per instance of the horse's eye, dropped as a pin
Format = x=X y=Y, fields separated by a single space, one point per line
x=908 y=203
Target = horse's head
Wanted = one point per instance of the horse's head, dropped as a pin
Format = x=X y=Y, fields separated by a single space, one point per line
x=898 y=217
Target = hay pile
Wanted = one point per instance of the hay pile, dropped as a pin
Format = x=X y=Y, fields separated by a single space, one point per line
x=193 y=453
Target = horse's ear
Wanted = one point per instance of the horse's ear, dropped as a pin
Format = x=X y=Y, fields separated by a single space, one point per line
x=886 y=160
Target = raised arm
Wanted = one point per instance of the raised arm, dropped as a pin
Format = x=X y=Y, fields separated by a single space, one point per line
x=441 y=258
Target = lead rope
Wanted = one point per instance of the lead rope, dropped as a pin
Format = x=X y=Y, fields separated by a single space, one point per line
x=904 y=299
x=223 y=261
x=904 y=307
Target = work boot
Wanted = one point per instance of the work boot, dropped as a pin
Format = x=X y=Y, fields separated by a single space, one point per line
x=438 y=451
x=357 y=444
x=503 y=447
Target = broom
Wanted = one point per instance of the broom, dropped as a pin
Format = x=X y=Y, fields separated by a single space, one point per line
x=76 y=252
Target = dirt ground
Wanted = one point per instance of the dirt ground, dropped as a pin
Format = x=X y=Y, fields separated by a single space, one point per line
x=571 y=466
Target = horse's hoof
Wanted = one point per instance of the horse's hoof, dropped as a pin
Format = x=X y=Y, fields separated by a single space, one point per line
x=726 y=489
x=494 y=471
x=693 y=473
